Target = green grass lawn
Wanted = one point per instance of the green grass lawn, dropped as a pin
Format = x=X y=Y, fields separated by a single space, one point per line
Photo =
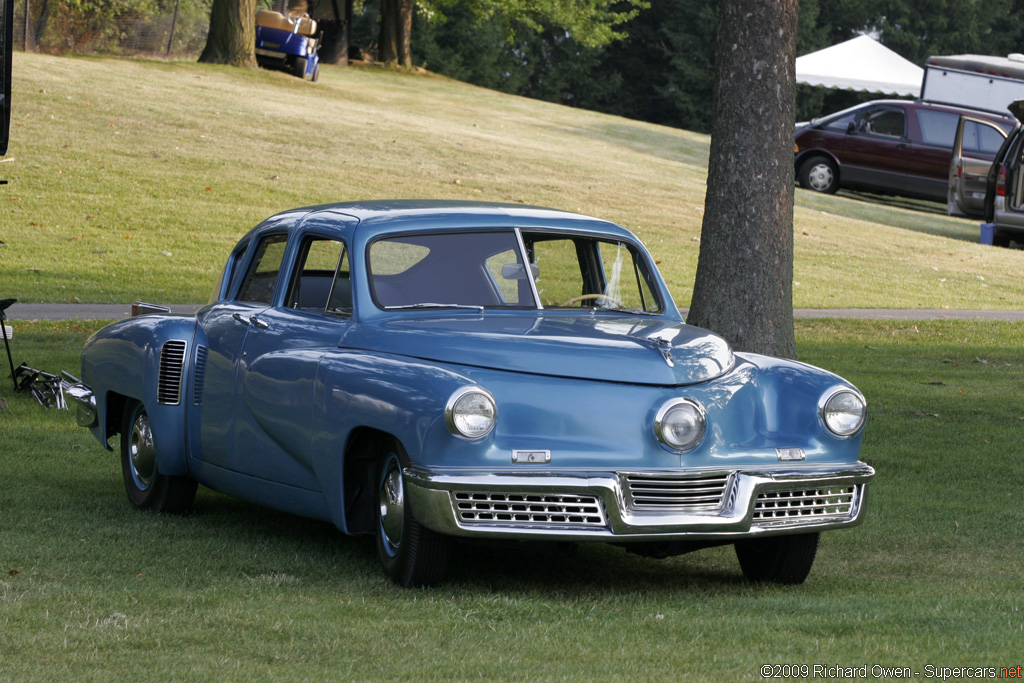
x=92 y=589
x=132 y=180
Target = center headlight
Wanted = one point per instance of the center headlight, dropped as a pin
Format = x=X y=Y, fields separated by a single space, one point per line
x=680 y=424
x=471 y=412
x=843 y=412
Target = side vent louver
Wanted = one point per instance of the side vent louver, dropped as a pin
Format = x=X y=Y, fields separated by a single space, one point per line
x=199 y=376
x=172 y=366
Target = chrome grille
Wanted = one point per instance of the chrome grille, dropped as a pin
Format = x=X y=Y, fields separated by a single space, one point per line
x=172 y=365
x=199 y=376
x=521 y=509
x=782 y=507
x=654 y=492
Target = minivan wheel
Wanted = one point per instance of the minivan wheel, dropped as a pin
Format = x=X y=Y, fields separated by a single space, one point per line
x=819 y=174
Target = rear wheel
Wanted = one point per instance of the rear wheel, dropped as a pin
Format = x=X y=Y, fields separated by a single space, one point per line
x=146 y=487
x=409 y=553
x=778 y=559
x=819 y=174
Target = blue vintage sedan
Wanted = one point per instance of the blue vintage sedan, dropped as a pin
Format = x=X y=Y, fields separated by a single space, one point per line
x=423 y=371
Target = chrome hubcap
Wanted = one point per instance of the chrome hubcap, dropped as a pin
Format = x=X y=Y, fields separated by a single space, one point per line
x=820 y=177
x=392 y=509
x=141 y=452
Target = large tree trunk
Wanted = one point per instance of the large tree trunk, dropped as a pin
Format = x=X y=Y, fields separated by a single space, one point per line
x=396 y=32
x=232 y=37
x=744 y=284
x=334 y=48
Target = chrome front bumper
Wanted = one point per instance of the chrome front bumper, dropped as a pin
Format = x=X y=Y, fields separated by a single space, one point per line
x=624 y=506
x=84 y=400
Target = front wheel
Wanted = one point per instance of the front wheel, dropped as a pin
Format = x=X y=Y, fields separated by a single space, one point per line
x=299 y=67
x=778 y=559
x=819 y=174
x=146 y=487
x=409 y=553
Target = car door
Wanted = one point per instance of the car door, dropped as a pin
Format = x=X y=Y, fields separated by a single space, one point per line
x=975 y=144
x=274 y=384
x=876 y=150
x=223 y=330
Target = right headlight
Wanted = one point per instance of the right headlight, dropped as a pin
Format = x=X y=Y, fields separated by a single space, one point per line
x=843 y=412
x=680 y=424
x=471 y=412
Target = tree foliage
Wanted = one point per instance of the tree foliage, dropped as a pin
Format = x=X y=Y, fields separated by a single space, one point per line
x=663 y=63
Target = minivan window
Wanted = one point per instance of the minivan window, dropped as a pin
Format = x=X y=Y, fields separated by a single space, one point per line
x=887 y=122
x=842 y=122
x=981 y=138
x=937 y=127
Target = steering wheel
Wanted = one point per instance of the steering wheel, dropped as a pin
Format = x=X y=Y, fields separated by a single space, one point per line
x=612 y=301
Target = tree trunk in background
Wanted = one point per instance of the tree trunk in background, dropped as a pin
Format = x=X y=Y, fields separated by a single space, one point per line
x=396 y=32
x=334 y=48
x=744 y=283
x=387 y=42
x=232 y=37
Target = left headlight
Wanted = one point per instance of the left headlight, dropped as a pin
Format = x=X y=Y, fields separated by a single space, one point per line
x=471 y=412
x=680 y=424
x=843 y=412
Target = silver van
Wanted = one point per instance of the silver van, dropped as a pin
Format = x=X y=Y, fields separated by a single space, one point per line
x=990 y=189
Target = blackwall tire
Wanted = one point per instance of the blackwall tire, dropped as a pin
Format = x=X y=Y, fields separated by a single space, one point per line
x=147 y=488
x=778 y=559
x=409 y=553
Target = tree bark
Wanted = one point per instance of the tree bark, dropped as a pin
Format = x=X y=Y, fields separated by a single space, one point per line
x=387 y=43
x=394 y=45
x=744 y=284
x=334 y=48
x=232 y=37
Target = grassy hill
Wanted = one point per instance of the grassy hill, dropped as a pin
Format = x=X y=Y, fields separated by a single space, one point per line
x=132 y=180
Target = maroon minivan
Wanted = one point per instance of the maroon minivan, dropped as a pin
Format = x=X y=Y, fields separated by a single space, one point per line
x=888 y=146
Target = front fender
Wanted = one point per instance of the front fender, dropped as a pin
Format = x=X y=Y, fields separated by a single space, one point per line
x=143 y=359
x=399 y=396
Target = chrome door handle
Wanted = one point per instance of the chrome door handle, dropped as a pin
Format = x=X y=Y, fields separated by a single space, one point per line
x=256 y=322
x=239 y=318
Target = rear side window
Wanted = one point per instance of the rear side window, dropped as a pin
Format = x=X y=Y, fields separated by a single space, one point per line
x=937 y=127
x=981 y=138
x=266 y=266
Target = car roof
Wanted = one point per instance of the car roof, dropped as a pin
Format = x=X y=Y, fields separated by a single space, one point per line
x=376 y=217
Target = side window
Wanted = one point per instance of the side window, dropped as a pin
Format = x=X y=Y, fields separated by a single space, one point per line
x=314 y=276
x=937 y=127
x=626 y=284
x=262 y=275
x=560 y=277
x=230 y=272
x=885 y=122
x=981 y=138
x=841 y=123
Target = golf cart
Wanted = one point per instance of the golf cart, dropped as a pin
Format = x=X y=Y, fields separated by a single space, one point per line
x=288 y=42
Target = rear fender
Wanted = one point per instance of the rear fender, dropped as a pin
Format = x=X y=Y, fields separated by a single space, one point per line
x=143 y=359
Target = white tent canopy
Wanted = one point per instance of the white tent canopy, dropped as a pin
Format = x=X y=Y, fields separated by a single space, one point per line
x=860 y=64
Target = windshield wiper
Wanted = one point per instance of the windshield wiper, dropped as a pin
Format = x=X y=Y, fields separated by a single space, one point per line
x=472 y=307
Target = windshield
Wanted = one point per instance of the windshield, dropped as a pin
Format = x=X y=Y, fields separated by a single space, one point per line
x=488 y=270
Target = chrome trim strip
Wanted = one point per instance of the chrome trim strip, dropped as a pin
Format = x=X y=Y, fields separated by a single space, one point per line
x=84 y=399
x=432 y=494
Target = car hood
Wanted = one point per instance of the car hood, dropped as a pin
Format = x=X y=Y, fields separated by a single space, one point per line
x=607 y=348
